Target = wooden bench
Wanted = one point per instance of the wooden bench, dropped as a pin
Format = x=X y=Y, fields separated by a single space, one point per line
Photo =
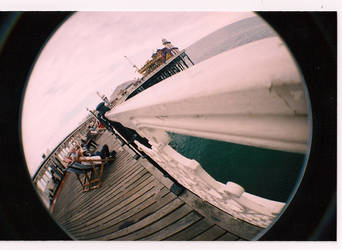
x=92 y=169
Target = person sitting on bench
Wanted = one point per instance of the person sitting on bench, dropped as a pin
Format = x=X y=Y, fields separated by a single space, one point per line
x=103 y=153
x=90 y=166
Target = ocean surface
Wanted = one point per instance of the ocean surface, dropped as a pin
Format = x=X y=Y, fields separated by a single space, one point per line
x=267 y=173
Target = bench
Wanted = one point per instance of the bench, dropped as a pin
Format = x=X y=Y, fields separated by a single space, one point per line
x=92 y=169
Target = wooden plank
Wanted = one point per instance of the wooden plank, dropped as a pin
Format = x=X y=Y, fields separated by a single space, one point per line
x=156 y=173
x=211 y=234
x=114 y=195
x=146 y=221
x=175 y=227
x=109 y=184
x=73 y=189
x=65 y=199
x=121 y=209
x=143 y=213
x=219 y=217
x=107 y=192
x=228 y=237
x=80 y=196
x=105 y=198
x=192 y=231
x=116 y=205
x=119 y=154
x=76 y=202
x=101 y=196
x=93 y=210
x=168 y=219
x=129 y=217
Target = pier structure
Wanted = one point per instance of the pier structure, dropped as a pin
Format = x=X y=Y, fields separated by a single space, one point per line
x=251 y=95
x=156 y=69
x=175 y=64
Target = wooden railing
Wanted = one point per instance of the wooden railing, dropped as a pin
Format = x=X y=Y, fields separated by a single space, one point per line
x=50 y=172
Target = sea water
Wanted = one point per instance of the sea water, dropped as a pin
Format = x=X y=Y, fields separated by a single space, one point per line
x=267 y=173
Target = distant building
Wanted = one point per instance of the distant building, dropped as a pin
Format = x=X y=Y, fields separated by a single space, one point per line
x=120 y=89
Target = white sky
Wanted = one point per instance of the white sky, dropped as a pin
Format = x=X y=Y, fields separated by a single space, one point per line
x=86 y=54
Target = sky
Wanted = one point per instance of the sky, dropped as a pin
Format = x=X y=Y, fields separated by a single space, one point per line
x=86 y=54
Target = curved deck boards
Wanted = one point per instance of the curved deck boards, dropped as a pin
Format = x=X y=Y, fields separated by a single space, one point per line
x=135 y=203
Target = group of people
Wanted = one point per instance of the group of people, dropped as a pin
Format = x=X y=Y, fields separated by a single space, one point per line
x=82 y=162
x=94 y=129
x=79 y=153
x=86 y=148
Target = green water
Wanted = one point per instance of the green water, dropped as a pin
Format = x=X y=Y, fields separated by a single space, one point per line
x=267 y=173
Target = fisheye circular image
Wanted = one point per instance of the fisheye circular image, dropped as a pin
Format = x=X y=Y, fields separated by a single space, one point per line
x=176 y=126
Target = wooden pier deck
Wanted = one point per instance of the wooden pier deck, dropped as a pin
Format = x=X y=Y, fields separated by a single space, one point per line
x=135 y=203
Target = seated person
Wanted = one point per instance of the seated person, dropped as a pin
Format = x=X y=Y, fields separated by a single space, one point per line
x=78 y=155
x=83 y=165
x=92 y=131
x=87 y=144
